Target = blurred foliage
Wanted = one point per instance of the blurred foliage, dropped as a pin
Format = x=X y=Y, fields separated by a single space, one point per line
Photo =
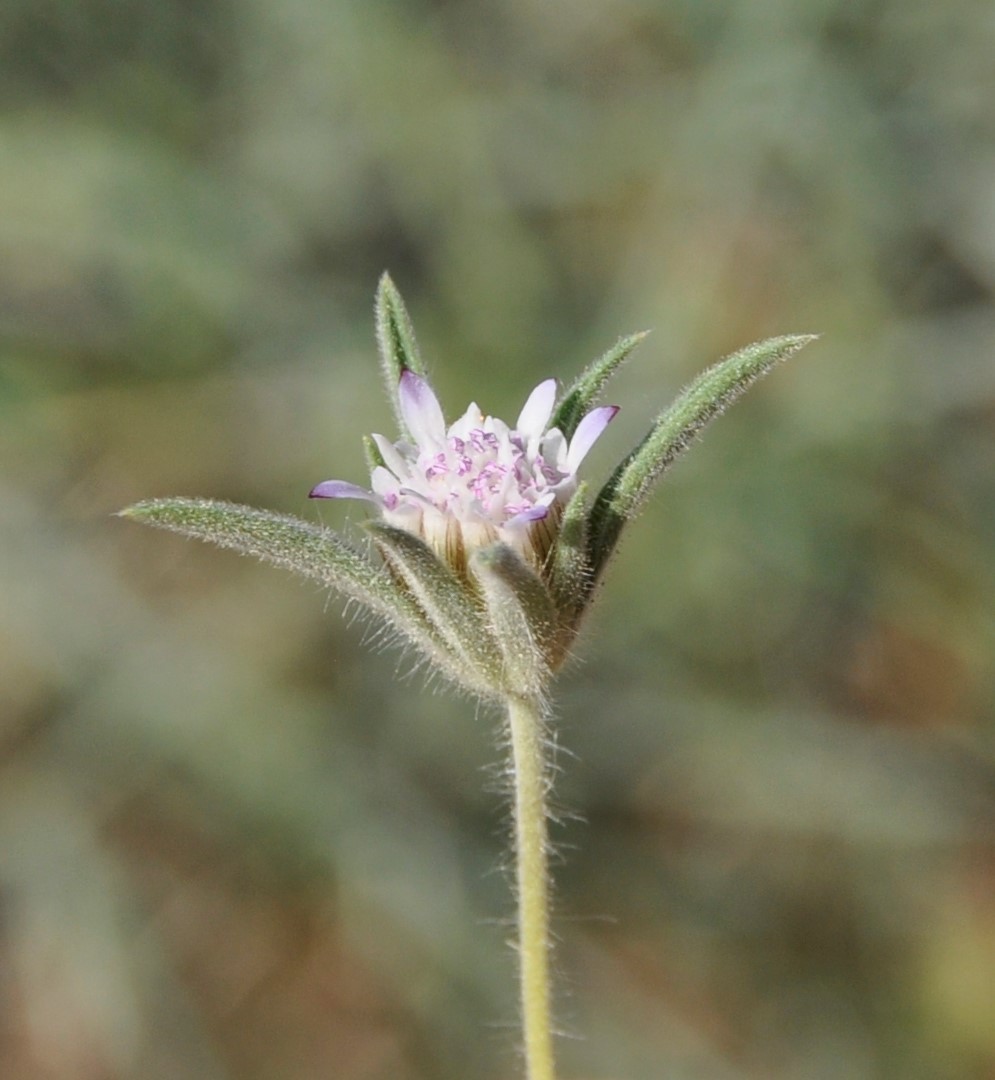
x=232 y=845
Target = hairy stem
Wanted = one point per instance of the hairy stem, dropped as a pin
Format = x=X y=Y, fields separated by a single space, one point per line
x=532 y=880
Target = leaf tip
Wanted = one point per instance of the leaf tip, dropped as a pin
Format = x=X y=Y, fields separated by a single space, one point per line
x=138 y=511
x=793 y=342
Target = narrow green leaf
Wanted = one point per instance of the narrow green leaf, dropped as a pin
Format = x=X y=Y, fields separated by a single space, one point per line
x=674 y=431
x=396 y=340
x=585 y=390
x=448 y=603
x=569 y=571
x=298 y=546
x=521 y=614
x=284 y=541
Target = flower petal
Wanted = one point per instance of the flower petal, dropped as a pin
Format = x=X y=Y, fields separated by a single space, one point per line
x=392 y=457
x=554 y=450
x=535 y=512
x=537 y=410
x=471 y=419
x=587 y=434
x=341 y=489
x=421 y=411
x=384 y=482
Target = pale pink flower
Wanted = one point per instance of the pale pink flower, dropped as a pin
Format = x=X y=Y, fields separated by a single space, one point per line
x=479 y=480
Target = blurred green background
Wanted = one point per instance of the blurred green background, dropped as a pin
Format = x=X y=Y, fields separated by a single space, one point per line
x=234 y=845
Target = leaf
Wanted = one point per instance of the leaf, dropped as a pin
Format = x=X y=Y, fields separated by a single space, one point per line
x=521 y=614
x=673 y=432
x=282 y=540
x=396 y=340
x=298 y=546
x=569 y=571
x=447 y=602
x=585 y=390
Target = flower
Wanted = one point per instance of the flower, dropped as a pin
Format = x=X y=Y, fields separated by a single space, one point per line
x=490 y=551
x=478 y=481
x=490 y=556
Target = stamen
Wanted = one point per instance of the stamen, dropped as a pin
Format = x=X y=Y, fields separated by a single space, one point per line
x=439 y=467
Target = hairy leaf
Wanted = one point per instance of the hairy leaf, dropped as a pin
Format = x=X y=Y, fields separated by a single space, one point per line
x=521 y=615
x=585 y=390
x=448 y=603
x=673 y=432
x=396 y=340
x=569 y=571
x=298 y=546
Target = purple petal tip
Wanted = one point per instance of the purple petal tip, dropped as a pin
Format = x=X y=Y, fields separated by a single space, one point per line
x=340 y=489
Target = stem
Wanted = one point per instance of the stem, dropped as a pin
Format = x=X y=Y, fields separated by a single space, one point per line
x=532 y=880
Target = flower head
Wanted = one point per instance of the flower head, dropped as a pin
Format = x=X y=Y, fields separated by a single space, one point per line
x=490 y=551
x=477 y=481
